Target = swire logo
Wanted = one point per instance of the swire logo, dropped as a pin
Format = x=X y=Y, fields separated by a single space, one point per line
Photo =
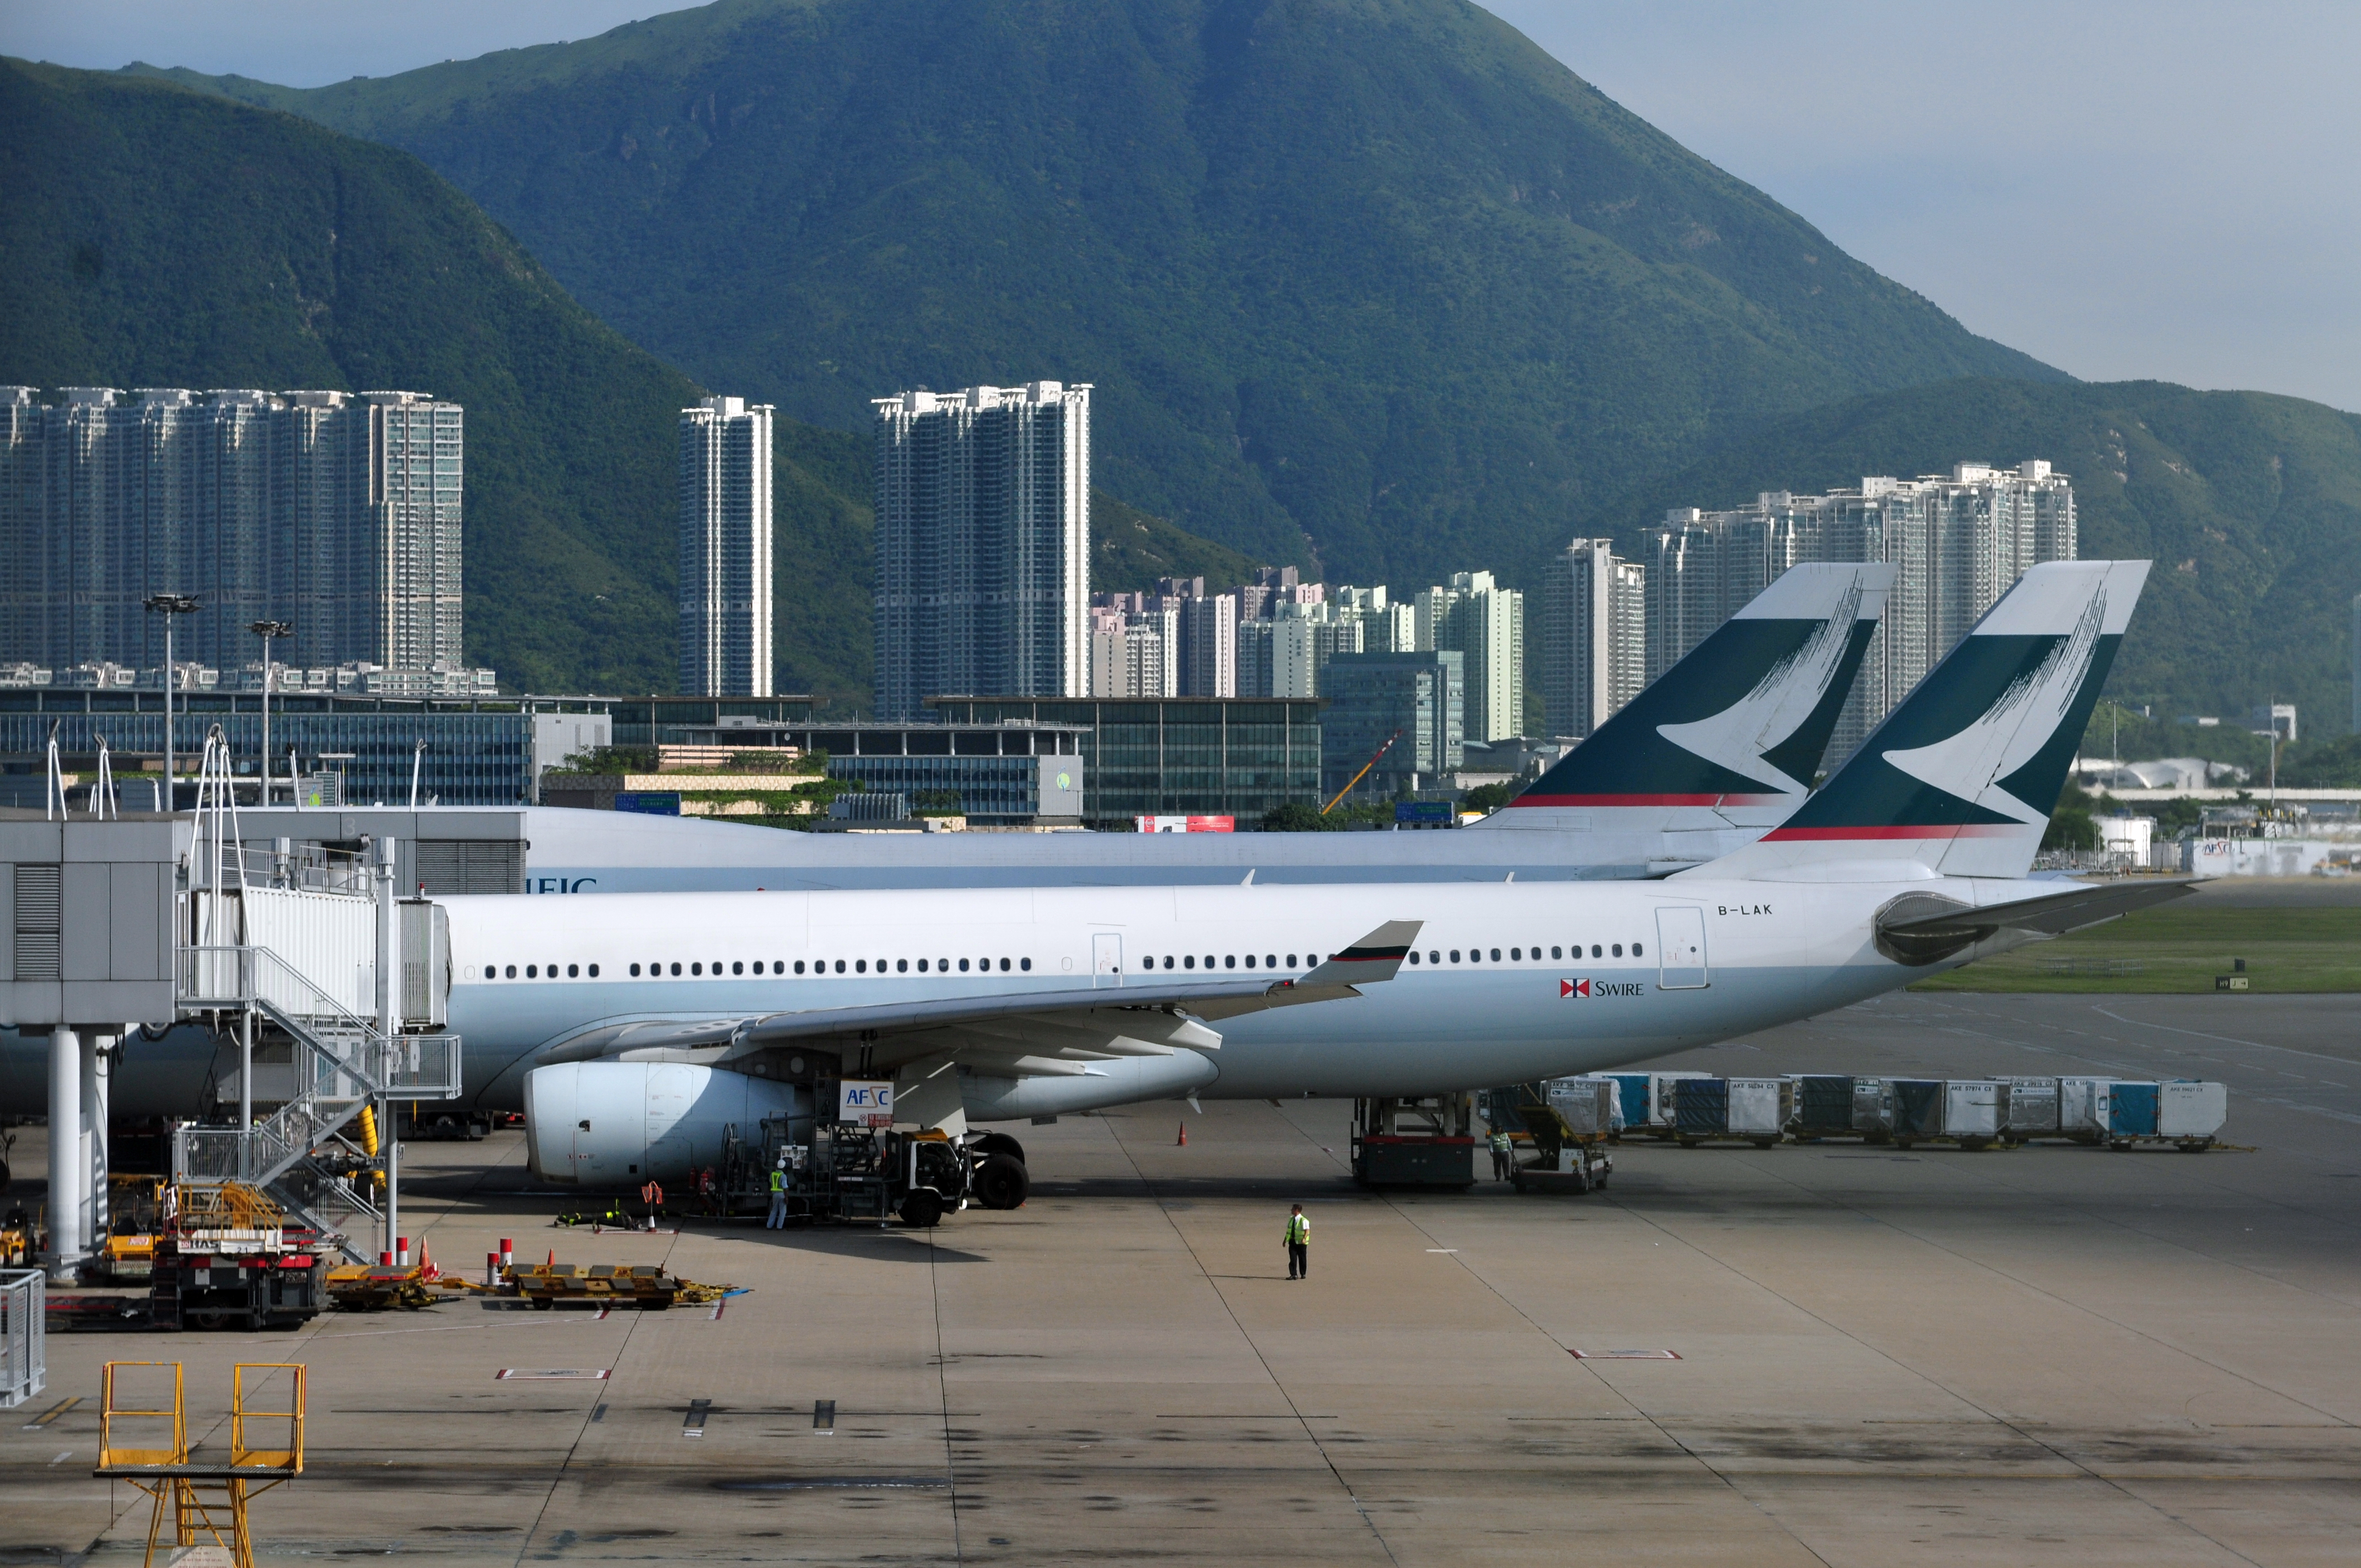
x=1569 y=988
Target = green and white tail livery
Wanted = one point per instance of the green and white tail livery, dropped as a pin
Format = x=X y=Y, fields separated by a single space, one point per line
x=1961 y=777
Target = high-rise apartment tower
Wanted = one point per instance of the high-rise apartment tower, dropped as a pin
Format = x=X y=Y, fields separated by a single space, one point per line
x=725 y=548
x=982 y=545
x=1594 y=635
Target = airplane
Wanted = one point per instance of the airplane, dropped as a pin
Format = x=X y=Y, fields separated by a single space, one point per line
x=1717 y=750
x=632 y=1028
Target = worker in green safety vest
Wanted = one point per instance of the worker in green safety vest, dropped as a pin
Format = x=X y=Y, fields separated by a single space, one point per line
x=1299 y=1245
x=778 y=1220
x=1503 y=1154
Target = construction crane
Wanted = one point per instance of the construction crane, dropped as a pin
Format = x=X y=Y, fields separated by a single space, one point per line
x=1372 y=763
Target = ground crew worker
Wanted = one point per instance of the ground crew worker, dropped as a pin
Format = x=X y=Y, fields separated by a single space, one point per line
x=778 y=1220
x=1503 y=1154
x=1299 y=1245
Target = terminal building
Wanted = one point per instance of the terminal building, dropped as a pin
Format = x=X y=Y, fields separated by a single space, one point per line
x=1172 y=756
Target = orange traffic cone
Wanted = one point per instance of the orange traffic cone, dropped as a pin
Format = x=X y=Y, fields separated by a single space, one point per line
x=1184 y=1136
x=552 y=1257
x=426 y=1269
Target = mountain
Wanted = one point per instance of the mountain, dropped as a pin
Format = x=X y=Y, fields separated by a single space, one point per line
x=1375 y=286
x=2249 y=504
x=157 y=236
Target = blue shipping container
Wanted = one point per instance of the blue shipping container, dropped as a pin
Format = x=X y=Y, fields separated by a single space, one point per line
x=2131 y=1110
x=1700 y=1105
x=1631 y=1092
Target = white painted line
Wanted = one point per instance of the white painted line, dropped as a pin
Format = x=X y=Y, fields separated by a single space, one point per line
x=62 y=1457
x=1624 y=1354
x=1443 y=1249
x=595 y=1374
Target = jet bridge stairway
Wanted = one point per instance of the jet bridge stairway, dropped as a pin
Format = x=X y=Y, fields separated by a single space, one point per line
x=307 y=1153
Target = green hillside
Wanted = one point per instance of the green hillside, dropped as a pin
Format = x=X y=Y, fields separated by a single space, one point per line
x=1372 y=285
x=2249 y=504
x=155 y=237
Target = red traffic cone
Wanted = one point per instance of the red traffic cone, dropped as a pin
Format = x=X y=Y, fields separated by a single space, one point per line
x=552 y=1257
x=1184 y=1137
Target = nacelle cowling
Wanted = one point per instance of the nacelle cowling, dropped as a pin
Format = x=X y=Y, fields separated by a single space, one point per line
x=621 y=1123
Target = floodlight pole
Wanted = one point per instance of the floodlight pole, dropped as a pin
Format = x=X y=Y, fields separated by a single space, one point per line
x=167 y=605
x=268 y=630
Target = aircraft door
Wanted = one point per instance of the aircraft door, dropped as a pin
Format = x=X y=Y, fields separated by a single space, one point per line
x=1680 y=948
x=1106 y=958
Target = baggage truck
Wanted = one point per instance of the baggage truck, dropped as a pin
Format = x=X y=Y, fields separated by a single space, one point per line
x=1567 y=1122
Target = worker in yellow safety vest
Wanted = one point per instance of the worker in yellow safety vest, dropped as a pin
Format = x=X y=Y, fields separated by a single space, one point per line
x=778 y=1220
x=1503 y=1154
x=1299 y=1245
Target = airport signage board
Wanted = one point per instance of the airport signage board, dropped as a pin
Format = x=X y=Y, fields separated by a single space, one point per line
x=648 y=802
x=866 y=1102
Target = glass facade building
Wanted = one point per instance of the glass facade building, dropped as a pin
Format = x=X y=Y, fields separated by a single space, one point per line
x=1372 y=695
x=1195 y=756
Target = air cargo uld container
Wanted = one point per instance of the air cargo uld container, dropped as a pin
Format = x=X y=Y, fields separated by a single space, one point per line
x=2082 y=1109
x=1662 y=1114
x=1917 y=1109
x=1635 y=1095
x=1823 y=1105
x=2131 y=1110
x=2032 y=1108
x=1700 y=1109
x=1588 y=1106
x=2191 y=1112
x=1873 y=1109
x=1974 y=1110
x=1759 y=1109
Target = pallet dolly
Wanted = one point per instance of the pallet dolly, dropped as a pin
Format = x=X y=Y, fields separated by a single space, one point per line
x=200 y=1496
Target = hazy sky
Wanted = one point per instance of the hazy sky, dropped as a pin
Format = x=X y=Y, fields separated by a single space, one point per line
x=2154 y=189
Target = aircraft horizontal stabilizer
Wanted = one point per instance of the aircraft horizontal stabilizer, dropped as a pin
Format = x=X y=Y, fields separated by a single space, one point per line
x=1924 y=927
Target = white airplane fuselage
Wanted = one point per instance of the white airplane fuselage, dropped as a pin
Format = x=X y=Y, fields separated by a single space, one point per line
x=1499 y=993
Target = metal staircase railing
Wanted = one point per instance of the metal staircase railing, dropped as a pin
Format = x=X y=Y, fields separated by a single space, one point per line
x=342 y=1063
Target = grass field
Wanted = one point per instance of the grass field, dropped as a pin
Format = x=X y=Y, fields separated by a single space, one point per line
x=2181 y=948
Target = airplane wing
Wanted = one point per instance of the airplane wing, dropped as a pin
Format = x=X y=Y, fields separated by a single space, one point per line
x=1919 y=928
x=1031 y=1031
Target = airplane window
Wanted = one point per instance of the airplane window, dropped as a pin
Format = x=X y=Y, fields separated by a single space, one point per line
x=1188 y=962
x=1251 y=963
x=734 y=969
x=1003 y=966
x=942 y=966
x=901 y=966
x=512 y=972
x=1230 y=962
x=1414 y=955
x=676 y=969
x=594 y=972
x=1433 y=957
x=1021 y=964
x=1270 y=962
x=1291 y=960
x=1636 y=950
x=840 y=966
x=1516 y=955
x=1555 y=954
x=1455 y=955
x=799 y=965
x=533 y=971
x=861 y=966
x=573 y=972
x=1594 y=950
x=635 y=971
x=697 y=969
x=963 y=966
x=1496 y=955
x=1618 y=950
x=1209 y=961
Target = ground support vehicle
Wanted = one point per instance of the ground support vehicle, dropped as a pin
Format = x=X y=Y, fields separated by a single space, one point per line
x=1565 y=1124
x=226 y=1257
x=1415 y=1142
x=842 y=1171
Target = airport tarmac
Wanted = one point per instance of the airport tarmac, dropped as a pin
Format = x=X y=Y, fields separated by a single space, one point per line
x=2050 y=1355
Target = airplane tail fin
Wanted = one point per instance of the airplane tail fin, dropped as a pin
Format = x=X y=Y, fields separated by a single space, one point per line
x=1961 y=777
x=1732 y=734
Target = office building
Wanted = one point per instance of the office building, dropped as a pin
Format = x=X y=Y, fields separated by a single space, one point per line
x=1370 y=698
x=339 y=512
x=982 y=545
x=1174 y=756
x=1959 y=541
x=1594 y=635
x=725 y=548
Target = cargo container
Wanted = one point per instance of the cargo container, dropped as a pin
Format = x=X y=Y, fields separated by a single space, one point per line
x=1759 y=1109
x=1917 y=1109
x=1636 y=1098
x=2032 y=1108
x=1700 y=1109
x=2131 y=1110
x=2082 y=1109
x=1823 y=1105
x=2191 y=1112
x=1975 y=1110
x=1589 y=1107
x=1873 y=1109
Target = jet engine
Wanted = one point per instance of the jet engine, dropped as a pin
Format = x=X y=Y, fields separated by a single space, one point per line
x=602 y=1124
